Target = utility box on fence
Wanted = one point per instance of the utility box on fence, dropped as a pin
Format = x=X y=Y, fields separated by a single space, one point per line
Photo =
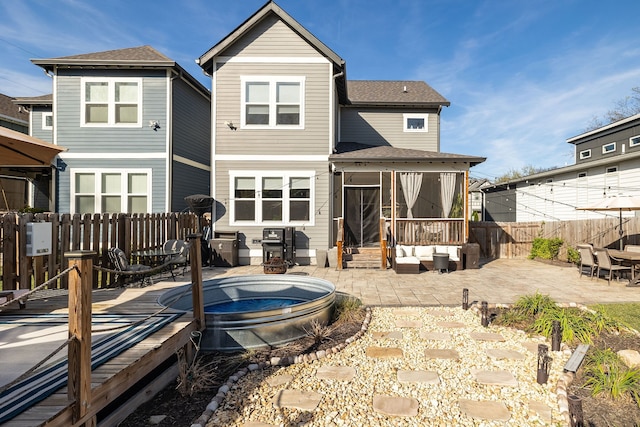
x=39 y=238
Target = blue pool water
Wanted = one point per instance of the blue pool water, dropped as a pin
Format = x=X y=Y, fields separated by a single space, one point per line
x=255 y=304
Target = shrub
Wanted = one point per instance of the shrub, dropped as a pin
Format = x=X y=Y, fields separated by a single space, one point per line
x=545 y=248
x=607 y=375
x=573 y=256
x=531 y=305
x=575 y=325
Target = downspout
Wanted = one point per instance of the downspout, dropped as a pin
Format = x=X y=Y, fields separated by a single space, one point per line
x=335 y=130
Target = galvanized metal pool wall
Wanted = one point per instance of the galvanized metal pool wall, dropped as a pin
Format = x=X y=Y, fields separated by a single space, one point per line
x=240 y=330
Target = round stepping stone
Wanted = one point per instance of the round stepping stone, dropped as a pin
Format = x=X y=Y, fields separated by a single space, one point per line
x=407 y=323
x=384 y=352
x=340 y=373
x=279 y=380
x=498 y=353
x=451 y=324
x=541 y=409
x=436 y=336
x=297 y=399
x=502 y=378
x=393 y=335
x=441 y=353
x=487 y=336
x=486 y=410
x=426 y=377
x=396 y=406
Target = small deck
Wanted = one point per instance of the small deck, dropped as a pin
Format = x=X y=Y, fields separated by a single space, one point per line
x=119 y=374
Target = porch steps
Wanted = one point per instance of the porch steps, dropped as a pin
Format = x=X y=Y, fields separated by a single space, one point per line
x=363 y=258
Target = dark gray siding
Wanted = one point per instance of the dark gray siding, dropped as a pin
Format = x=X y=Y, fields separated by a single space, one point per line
x=619 y=135
x=500 y=206
x=187 y=180
x=191 y=123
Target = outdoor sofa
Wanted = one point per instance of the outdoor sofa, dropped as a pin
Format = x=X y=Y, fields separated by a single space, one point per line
x=410 y=259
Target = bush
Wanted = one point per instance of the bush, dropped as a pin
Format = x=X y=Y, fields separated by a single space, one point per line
x=546 y=248
x=573 y=256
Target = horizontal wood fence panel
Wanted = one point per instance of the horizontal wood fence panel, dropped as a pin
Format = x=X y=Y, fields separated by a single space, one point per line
x=515 y=239
x=94 y=232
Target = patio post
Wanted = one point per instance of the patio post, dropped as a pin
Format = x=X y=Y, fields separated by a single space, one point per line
x=80 y=288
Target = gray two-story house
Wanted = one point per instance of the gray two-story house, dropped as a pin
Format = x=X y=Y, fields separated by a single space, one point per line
x=136 y=127
x=296 y=144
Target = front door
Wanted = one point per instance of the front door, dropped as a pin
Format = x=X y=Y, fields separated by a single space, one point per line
x=361 y=216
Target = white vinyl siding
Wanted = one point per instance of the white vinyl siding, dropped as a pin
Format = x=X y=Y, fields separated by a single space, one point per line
x=111 y=101
x=110 y=191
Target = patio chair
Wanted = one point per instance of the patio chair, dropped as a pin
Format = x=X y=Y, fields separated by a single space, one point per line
x=180 y=259
x=121 y=264
x=607 y=262
x=587 y=259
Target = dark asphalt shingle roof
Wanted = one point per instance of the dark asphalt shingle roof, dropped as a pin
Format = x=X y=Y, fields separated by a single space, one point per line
x=355 y=152
x=35 y=100
x=131 y=54
x=400 y=92
x=9 y=109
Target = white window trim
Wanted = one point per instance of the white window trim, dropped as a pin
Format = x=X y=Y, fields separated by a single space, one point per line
x=634 y=141
x=98 y=191
x=272 y=80
x=611 y=169
x=111 y=81
x=46 y=114
x=407 y=116
x=258 y=175
x=605 y=151
x=585 y=154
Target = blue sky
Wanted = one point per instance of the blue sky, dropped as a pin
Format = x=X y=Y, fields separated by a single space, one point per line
x=521 y=76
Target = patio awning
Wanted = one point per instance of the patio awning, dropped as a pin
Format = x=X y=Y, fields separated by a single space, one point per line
x=18 y=149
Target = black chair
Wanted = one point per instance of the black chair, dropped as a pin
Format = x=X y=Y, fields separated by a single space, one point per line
x=180 y=259
x=135 y=271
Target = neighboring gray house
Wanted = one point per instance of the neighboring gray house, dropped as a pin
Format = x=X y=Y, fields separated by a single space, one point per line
x=295 y=144
x=136 y=127
x=607 y=163
x=12 y=116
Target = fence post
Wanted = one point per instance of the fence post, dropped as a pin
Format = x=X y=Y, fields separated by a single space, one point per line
x=80 y=287
x=195 y=255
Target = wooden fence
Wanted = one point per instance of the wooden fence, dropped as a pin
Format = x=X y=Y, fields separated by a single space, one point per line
x=514 y=239
x=94 y=232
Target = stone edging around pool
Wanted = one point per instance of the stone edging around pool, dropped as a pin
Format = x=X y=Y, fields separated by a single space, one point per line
x=561 y=387
x=277 y=361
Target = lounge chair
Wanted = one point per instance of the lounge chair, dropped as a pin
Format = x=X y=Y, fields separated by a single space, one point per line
x=606 y=262
x=135 y=271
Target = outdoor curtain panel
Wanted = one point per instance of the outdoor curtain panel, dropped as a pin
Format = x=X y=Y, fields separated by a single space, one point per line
x=447 y=191
x=411 y=183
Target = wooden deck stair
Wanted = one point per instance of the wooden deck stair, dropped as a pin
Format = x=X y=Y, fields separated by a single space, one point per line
x=365 y=258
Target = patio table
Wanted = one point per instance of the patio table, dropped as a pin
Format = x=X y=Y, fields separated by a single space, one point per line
x=632 y=258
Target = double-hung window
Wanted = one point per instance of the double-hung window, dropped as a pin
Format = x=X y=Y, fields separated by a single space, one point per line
x=111 y=102
x=272 y=102
x=110 y=191
x=271 y=198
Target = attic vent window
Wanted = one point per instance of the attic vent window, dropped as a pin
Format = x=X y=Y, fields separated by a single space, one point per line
x=416 y=122
x=609 y=148
x=585 y=154
x=634 y=141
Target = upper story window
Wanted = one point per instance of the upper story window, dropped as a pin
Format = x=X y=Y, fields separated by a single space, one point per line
x=273 y=102
x=111 y=102
x=47 y=121
x=585 y=154
x=415 y=122
x=634 y=141
x=609 y=148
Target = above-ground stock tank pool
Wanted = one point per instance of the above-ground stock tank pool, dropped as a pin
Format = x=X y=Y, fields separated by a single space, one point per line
x=257 y=311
